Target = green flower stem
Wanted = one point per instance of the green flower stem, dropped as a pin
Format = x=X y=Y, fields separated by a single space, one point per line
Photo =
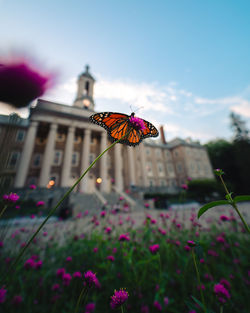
x=4 y=208
x=58 y=204
x=122 y=309
x=84 y=290
x=199 y=280
x=233 y=204
x=221 y=309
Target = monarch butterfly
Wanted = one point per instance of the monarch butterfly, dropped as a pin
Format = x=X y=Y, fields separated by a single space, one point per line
x=133 y=129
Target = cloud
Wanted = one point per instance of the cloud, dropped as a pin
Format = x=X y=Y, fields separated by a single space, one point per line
x=242 y=108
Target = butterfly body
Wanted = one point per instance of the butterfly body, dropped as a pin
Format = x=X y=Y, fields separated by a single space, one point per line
x=118 y=125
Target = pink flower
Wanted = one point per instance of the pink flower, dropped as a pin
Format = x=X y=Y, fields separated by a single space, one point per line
x=103 y=213
x=91 y=279
x=21 y=82
x=90 y=307
x=69 y=259
x=108 y=230
x=55 y=287
x=12 y=197
x=221 y=292
x=119 y=298
x=40 y=203
x=224 y=218
x=95 y=250
x=187 y=248
x=32 y=187
x=124 y=237
x=166 y=301
x=154 y=248
x=146 y=205
x=225 y=283
x=17 y=300
x=38 y=264
x=30 y=263
x=157 y=305
x=111 y=258
x=184 y=186
x=191 y=243
x=220 y=239
x=66 y=279
x=3 y=292
x=121 y=198
x=212 y=253
x=144 y=309
x=137 y=123
x=77 y=275
x=60 y=272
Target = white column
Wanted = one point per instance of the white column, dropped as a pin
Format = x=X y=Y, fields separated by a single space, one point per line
x=143 y=164
x=66 y=169
x=104 y=163
x=85 y=160
x=48 y=156
x=26 y=155
x=131 y=165
x=118 y=167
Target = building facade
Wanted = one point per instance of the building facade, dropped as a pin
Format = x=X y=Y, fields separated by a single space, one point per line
x=56 y=144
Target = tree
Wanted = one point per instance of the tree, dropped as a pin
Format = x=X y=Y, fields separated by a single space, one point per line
x=239 y=127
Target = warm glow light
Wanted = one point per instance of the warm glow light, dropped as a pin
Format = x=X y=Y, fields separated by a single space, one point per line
x=48 y=186
x=51 y=182
x=99 y=180
x=86 y=102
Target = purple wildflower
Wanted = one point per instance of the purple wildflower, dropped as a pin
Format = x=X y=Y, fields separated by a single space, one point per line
x=124 y=237
x=221 y=292
x=77 y=275
x=119 y=298
x=157 y=305
x=3 y=292
x=60 y=272
x=55 y=287
x=90 y=307
x=137 y=123
x=154 y=248
x=32 y=187
x=91 y=279
x=40 y=203
x=66 y=279
x=111 y=258
x=21 y=83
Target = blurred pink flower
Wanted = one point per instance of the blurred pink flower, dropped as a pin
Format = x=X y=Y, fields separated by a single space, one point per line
x=77 y=275
x=32 y=187
x=221 y=292
x=3 y=292
x=40 y=203
x=157 y=305
x=124 y=237
x=17 y=300
x=111 y=258
x=154 y=248
x=90 y=307
x=66 y=279
x=21 y=82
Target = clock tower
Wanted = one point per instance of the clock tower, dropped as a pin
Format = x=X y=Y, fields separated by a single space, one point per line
x=85 y=88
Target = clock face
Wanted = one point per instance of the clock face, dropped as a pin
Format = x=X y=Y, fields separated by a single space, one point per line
x=86 y=103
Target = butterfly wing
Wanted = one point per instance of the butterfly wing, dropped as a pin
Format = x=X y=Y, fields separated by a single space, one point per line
x=149 y=131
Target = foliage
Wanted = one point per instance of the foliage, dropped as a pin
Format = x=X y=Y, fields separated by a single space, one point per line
x=234 y=158
x=203 y=189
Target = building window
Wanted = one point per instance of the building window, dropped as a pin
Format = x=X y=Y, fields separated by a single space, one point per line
x=20 y=135
x=163 y=183
x=40 y=141
x=60 y=137
x=148 y=151
x=151 y=183
x=91 y=158
x=57 y=157
x=158 y=153
x=75 y=159
x=170 y=168
x=37 y=159
x=6 y=181
x=13 y=159
x=149 y=169
x=179 y=167
x=160 y=169
x=77 y=139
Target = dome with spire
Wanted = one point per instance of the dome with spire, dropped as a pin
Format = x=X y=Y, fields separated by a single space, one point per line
x=87 y=74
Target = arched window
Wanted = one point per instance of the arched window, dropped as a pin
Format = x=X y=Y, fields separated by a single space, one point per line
x=87 y=88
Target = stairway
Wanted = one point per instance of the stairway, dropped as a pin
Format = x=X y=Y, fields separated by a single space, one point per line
x=83 y=202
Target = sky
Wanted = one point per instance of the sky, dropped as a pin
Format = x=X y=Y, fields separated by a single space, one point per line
x=184 y=64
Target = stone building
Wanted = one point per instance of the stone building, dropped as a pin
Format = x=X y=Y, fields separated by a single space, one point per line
x=57 y=143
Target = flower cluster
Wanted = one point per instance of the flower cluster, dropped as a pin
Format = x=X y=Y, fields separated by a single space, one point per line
x=137 y=123
x=91 y=279
x=221 y=293
x=12 y=197
x=119 y=298
x=154 y=248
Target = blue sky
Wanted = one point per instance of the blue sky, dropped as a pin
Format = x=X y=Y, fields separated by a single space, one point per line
x=186 y=62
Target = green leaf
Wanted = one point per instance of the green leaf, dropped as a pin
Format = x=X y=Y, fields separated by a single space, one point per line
x=210 y=205
x=241 y=198
x=198 y=302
